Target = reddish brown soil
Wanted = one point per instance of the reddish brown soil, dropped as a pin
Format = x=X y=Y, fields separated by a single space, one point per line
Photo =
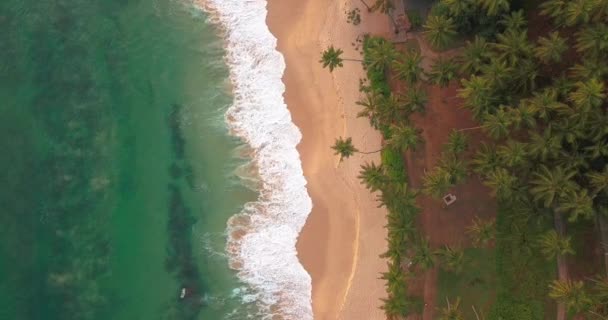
x=445 y=225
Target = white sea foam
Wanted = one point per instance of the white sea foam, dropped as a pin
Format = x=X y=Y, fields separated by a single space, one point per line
x=262 y=238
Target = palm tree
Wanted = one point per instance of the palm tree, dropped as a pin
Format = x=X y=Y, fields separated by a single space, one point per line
x=572 y=293
x=332 y=58
x=381 y=55
x=494 y=7
x=482 y=232
x=552 y=184
x=524 y=76
x=597 y=150
x=514 y=21
x=551 y=48
x=599 y=181
x=555 y=9
x=589 y=68
x=544 y=146
x=502 y=183
x=371 y=107
x=552 y=245
x=459 y=7
x=545 y=102
x=373 y=176
x=344 y=148
x=423 y=256
x=577 y=203
x=588 y=94
x=478 y=95
x=486 y=160
x=513 y=46
x=451 y=311
x=394 y=277
x=457 y=143
x=440 y=30
x=592 y=40
x=523 y=116
x=452 y=259
x=497 y=72
x=578 y=11
x=403 y=138
x=443 y=71
x=513 y=154
x=415 y=99
x=408 y=68
x=390 y=109
x=497 y=125
x=437 y=182
x=397 y=306
x=600 y=295
x=455 y=168
x=475 y=55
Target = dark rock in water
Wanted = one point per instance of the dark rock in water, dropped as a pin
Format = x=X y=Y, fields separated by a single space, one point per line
x=177 y=139
x=175 y=171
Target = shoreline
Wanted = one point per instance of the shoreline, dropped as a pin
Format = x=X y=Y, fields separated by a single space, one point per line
x=343 y=237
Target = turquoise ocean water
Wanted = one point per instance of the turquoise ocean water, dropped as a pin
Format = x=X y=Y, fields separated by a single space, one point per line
x=116 y=167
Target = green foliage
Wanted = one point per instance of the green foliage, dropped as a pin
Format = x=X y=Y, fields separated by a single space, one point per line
x=379 y=54
x=415 y=99
x=514 y=21
x=551 y=48
x=392 y=161
x=458 y=143
x=443 y=71
x=372 y=176
x=552 y=245
x=482 y=232
x=451 y=311
x=407 y=67
x=523 y=273
x=403 y=138
x=377 y=78
x=415 y=18
x=572 y=293
x=475 y=284
x=331 y=58
x=344 y=147
x=440 y=30
x=494 y=7
x=451 y=258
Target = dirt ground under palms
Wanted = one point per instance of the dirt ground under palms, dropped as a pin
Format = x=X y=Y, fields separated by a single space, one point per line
x=444 y=225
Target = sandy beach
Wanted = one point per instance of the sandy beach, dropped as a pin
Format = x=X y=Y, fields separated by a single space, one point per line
x=344 y=235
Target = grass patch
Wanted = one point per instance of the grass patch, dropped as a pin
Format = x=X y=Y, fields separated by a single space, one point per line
x=393 y=164
x=475 y=285
x=523 y=273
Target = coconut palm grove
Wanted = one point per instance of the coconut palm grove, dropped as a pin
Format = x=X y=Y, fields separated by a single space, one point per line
x=501 y=106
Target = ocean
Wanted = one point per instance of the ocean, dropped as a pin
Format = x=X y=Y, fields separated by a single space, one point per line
x=148 y=164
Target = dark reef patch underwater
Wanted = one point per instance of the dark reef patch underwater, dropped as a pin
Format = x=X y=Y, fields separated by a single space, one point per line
x=112 y=206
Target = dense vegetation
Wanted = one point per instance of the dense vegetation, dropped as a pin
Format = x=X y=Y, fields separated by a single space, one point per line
x=541 y=100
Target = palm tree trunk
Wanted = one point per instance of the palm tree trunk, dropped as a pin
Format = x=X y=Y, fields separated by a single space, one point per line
x=562 y=266
x=369 y=9
x=471 y=128
x=370 y=152
x=476 y=315
x=603 y=228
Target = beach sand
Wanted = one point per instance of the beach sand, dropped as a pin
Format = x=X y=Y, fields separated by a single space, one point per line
x=344 y=235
